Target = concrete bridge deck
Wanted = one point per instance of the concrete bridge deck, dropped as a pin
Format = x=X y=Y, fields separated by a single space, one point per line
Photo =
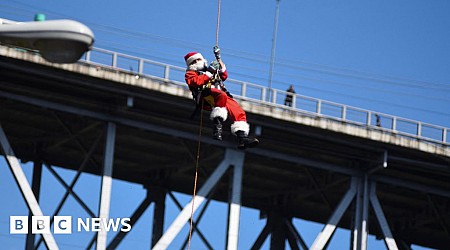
x=303 y=168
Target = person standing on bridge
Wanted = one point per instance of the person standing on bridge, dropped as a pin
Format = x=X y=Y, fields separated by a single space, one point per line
x=290 y=92
x=208 y=90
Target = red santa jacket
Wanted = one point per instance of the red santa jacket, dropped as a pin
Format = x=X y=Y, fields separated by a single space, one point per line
x=196 y=79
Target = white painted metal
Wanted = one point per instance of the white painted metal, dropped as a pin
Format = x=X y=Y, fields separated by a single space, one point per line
x=388 y=238
x=365 y=214
x=105 y=197
x=185 y=214
x=24 y=186
x=328 y=230
x=235 y=206
x=357 y=222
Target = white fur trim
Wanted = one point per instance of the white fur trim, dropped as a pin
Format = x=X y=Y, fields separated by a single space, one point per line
x=194 y=57
x=219 y=112
x=209 y=74
x=240 y=126
x=200 y=66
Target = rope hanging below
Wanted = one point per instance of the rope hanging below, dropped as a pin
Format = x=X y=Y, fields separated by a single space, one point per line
x=199 y=143
x=196 y=176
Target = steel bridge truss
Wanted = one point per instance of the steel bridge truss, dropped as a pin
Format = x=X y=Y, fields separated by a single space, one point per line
x=361 y=191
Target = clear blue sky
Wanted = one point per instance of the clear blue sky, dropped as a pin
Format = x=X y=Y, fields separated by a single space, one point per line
x=388 y=56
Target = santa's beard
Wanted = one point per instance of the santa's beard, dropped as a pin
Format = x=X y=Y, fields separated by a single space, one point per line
x=199 y=66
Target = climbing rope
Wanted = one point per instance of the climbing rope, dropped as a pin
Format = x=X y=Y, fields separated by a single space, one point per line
x=196 y=174
x=218 y=23
x=199 y=142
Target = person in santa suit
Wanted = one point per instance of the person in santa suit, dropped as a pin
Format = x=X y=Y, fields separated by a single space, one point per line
x=206 y=85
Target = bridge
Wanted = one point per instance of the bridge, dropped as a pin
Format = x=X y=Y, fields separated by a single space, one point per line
x=319 y=161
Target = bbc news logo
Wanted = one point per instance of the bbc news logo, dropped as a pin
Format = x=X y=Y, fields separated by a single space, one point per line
x=63 y=225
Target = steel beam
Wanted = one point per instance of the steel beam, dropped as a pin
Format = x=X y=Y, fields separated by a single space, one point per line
x=360 y=231
x=194 y=224
x=36 y=187
x=69 y=190
x=158 y=196
x=133 y=219
x=261 y=237
x=195 y=227
x=388 y=238
x=24 y=186
x=172 y=132
x=105 y=196
x=442 y=218
x=292 y=241
x=308 y=162
x=357 y=217
x=365 y=213
x=411 y=185
x=326 y=233
x=278 y=230
x=234 y=209
x=298 y=238
x=193 y=205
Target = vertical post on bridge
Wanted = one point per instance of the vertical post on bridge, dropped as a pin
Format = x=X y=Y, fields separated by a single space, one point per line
x=105 y=196
x=234 y=208
x=36 y=187
x=360 y=232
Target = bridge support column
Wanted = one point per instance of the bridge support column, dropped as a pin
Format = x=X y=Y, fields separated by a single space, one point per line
x=281 y=229
x=234 y=206
x=365 y=191
x=360 y=231
x=278 y=239
x=324 y=236
x=105 y=196
x=295 y=240
x=159 y=198
x=232 y=158
x=35 y=187
x=388 y=238
x=24 y=186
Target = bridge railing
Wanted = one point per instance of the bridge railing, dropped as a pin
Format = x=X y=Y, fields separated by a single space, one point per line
x=301 y=104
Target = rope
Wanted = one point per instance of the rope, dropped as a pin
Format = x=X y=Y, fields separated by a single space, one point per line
x=218 y=23
x=196 y=174
x=199 y=142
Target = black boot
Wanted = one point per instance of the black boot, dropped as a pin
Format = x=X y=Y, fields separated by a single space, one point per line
x=244 y=141
x=217 y=130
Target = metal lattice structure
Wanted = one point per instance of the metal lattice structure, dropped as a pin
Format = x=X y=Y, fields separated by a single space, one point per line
x=103 y=121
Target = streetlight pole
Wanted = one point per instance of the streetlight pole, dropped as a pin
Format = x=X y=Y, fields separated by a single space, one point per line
x=274 y=44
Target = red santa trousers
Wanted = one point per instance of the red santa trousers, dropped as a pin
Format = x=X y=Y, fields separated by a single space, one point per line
x=225 y=106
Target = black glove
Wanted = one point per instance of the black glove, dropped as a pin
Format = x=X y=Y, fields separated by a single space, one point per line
x=214 y=66
x=216 y=50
